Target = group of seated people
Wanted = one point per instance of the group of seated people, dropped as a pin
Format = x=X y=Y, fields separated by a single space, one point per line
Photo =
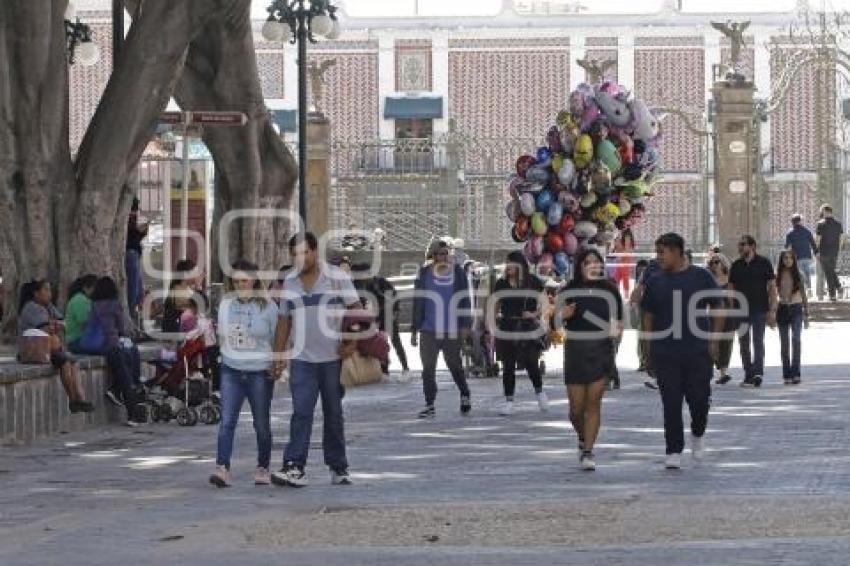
x=95 y=323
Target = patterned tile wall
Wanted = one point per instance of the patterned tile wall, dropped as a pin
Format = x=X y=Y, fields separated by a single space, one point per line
x=350 y=98
x=497 y=94
x=271 y=67
x=86 y=84
x=676 y=207
x=413 y=65
x=793 y=129
x=673 y=78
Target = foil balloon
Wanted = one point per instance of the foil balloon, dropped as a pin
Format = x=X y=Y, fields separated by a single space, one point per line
x=532 y=188
x=554 y=242
x=555 y=213
x=646 y=126
x=545 y=264
x=516 y=186
x=567 y=223
x=614 y=108
x=538 y=224
x=607 y=213
x=625 y=206
x=533 y=249
x=585 y=229
x=538 y=174
x=515 y=236
x=523 y=163
x=557 y=161
x=583 y=153
x=588 y=200
x=607 y=153
x=569 y=201
x=522 y=225
x=566 y=172
x=570 y=244
x=544 y=155
x=553 y=138
x=512 y=210
x=562 y=263
x=544 y=200
x=527 y=204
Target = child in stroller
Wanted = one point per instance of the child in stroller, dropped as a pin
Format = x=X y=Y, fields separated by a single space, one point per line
x=184 y=383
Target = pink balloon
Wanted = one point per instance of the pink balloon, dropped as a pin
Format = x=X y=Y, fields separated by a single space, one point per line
x=570 y=243
x=545 y=264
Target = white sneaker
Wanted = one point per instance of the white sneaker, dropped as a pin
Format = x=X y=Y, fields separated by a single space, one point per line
x=588 y=462
x=697 y=447
x=673 y=461
x=543 y=401
x=507 y=409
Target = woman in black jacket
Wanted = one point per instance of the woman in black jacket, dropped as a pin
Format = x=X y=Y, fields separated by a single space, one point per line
x=518 y=304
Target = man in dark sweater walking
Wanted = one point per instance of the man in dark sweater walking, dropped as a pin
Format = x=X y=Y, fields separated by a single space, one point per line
x=830 y=239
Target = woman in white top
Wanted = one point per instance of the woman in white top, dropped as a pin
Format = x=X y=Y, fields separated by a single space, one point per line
x=793 y=312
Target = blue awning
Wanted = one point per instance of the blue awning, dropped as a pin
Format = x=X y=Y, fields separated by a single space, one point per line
x=286 y=120
x=413 y=107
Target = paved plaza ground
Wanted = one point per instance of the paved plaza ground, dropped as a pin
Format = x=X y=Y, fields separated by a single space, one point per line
x=482 y=489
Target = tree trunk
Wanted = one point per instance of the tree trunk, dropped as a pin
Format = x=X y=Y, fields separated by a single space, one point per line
x=254 y=168
x=60 y=219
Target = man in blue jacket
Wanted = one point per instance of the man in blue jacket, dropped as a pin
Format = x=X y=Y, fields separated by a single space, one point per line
x=802 y=242
x=441 y=315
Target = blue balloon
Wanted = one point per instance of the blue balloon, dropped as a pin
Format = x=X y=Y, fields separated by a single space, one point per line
x=555 y=213
x=544 y=199
x=562 y=263
x=544 y=155
x=538 y=174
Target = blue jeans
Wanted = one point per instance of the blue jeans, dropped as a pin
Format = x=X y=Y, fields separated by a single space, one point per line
x=754 y=330
x=791 y=360
x=806 y=267
x=133 y=268
x=258 y=387
x=306 y=381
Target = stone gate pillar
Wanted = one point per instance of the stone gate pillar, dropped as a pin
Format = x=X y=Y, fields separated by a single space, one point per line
x=736 y=170
x=318 y=173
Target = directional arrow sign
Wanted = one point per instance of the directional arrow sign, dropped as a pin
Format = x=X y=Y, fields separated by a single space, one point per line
x=205 y=118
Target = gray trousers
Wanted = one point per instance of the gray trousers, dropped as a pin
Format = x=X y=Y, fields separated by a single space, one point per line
x=430 y=346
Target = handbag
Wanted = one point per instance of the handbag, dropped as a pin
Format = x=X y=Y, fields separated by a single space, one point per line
x=93 y=339
x=358 y=369
x=34 y=347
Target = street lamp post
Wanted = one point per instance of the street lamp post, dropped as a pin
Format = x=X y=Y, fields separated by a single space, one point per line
x=78 y=40
x=296 y=21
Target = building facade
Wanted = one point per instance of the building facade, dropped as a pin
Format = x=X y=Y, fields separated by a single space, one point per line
x=494 y=85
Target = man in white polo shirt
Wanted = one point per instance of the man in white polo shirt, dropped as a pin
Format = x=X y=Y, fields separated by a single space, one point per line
x=314 y=296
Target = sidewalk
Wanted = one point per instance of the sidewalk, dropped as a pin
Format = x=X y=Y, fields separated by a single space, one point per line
x=478 y=490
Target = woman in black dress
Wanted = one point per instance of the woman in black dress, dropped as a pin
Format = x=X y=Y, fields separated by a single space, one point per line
x=519 y=313
x=593 y=315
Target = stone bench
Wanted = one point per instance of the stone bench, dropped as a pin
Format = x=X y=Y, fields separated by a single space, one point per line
x=33 y=403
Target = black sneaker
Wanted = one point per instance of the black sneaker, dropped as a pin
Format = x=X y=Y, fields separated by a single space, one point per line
x=80 y=407
x=428 y=412
x=757 y=381
x=796 y=380
x=748 y=382
x=339 y=476
x=291 y=475
x=723 y=379
x=651 y=382
x=465 y=405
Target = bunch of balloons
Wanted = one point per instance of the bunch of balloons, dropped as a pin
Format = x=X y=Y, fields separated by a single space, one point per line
x=590 y=180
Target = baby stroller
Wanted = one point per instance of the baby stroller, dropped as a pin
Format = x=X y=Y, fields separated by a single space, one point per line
x=479 y=351
x=182 y=388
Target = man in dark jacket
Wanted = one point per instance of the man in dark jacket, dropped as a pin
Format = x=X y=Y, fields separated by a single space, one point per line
x=441 y=305
x=800 y=240
x=830 y=235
